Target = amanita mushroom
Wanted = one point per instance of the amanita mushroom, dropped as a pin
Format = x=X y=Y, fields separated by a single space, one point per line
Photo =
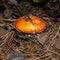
x=30 y=24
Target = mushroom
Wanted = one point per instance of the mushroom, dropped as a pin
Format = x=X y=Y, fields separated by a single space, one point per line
x=30 y=24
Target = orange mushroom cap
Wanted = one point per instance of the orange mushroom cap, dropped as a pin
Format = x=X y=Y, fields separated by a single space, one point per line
x=30 y=24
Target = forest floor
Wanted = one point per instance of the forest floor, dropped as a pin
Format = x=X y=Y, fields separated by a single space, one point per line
x=23 y=46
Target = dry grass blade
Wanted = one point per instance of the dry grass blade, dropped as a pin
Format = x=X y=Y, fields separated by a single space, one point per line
x=6 y=43
x=10 y=20
x=52 y=42
x=6 y=38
